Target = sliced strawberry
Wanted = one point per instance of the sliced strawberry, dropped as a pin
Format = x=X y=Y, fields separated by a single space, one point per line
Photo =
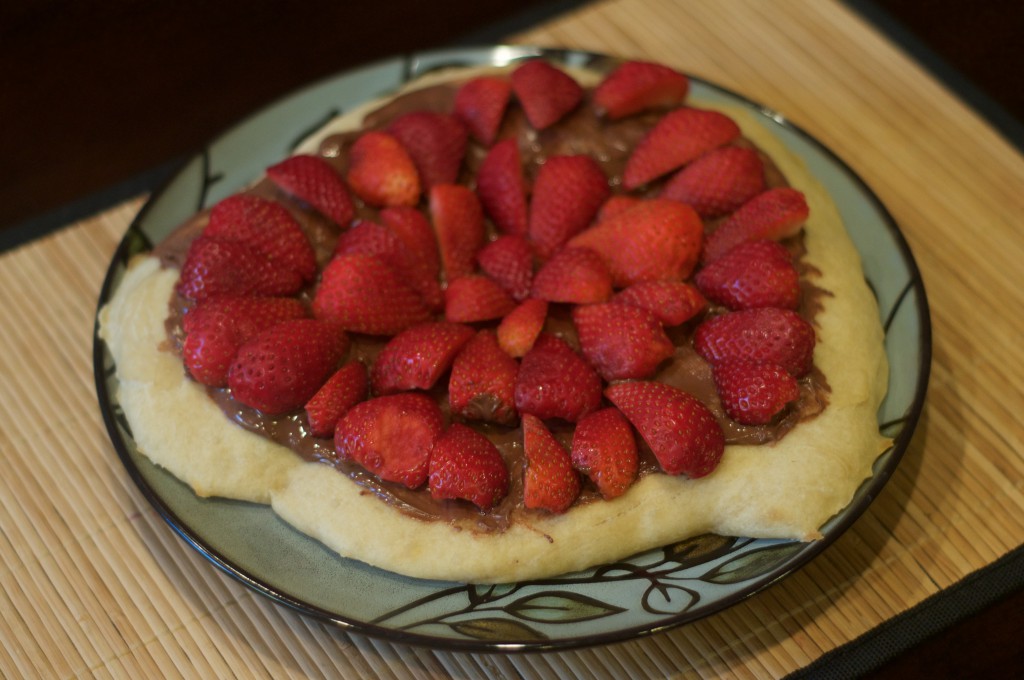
x=621 y=341
x=681 y=136
x=476 y=298
x=656 y=240
x=215 y=267
x=391 y=436
x=549 y=480
x=573 y=275
x=381 y=172
x=459 y=225
x=567 y=194
x=637 y=86
x=481 y=103
x=483 y=380
x=672 y=302
x=519 y=329
x=615 y=205
x=313 y=180
x=343 y=390
x=753 y=274
x=265 y=226
x=364 y=295
x=773 y=214
x=546 y=93
x=436 y=142
x=416 y=358
x=604 y=449
x=752 y=392
x=418 y=236
x=718 y=182
x=464 y=464
x=509 y=261
x=768 y=334
x=502 y=188
x=556 y=382
x=370 y=238
x=681 y=432
x=281 y=368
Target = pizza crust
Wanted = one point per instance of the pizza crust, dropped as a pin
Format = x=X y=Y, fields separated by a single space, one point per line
x=785 y=490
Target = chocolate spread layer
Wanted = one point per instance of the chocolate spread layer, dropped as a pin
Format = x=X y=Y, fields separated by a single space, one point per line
x=581 y=132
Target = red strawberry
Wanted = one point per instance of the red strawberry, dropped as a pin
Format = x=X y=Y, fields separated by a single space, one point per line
x=417 y=357
x=656 y=240
x=391 y=436
x=753 y=393
x=604 y=449
x=281 y=368
x=459 y=225
x=681 y=432
x=216 y=328
x=574 y=275
x=502 y=188
x=545 y=93
x=718 y=182
x=313 y=180
x=567 y=194
x=768 y=334
x=483 y=380
x=364 y=295
x=637 y=86
x=671 y=302
x=481 y=104
x=620 y=341
x=615 y=205
x=519 y=329
x=556 y=382
x=549 y=481
x=343 y=390
x=773 y=214
x=370 y=238
x=436 y=142
x=681 y=136
x=476 y=298
x=464 y=464
x=414 y=229
x=266 y=227
x=214 y=267
x=509 y=261
x=381 y=172
x=753 y=274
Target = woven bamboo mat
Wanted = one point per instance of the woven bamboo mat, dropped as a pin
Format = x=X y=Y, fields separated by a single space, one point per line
x=93 y=581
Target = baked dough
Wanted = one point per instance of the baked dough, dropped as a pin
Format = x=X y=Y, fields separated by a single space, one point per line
x=784 y=490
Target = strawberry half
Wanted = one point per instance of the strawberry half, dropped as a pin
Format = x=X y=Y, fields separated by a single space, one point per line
x=313 y=180
x=556 y=382
x=381 y=172
x=215 y=267
x=343 y=390
x=718 y=182
x=414 y=229
x=483 y=380
x=509 y=261
x=502 y=188
x=436 y=142
x=416 y=358
x=753 y=274
x=681 y=432
x=459 y=225
x=636 y=86
x=681 y=136
x=616 y=205
x=567 y=194
x=281 y=368
x=465 y=465
x=481 y=104
x=519 y=329
x=549 y=480
x=753 y=392
x=546 y=93
x=620 y=341
x=476 y=298
x=671 y=302
x=391 y=436
x=604 y=449
x=768 y=334
x=573 y=275
x=774 y=214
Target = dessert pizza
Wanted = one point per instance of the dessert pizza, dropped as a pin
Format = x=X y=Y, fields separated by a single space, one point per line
x=511 y=323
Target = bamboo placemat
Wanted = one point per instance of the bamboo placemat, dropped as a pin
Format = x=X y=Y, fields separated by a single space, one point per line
x=93 y=581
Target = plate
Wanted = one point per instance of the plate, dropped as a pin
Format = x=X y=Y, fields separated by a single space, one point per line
x=649 y=592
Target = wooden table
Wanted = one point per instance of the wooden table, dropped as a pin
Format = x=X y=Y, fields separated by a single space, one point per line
x=95 y=583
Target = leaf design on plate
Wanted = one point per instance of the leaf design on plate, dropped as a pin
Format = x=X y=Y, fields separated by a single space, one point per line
x=560 y=607
x=482 y=594
x=752 y=563
x=498 y=630
x=699 y=549
x=661 y=598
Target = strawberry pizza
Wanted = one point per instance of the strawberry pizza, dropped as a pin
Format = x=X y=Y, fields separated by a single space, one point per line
x=514 y=322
